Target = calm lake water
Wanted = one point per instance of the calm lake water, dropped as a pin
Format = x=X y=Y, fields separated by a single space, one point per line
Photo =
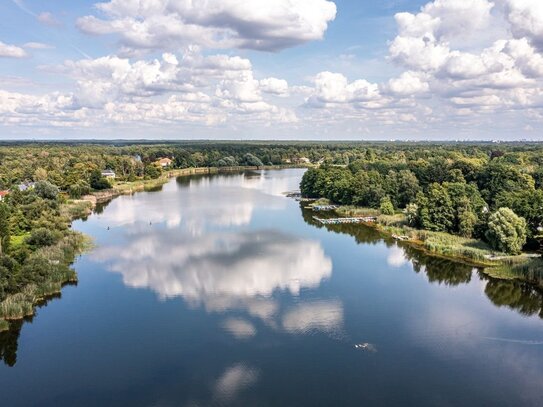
x=218 y=290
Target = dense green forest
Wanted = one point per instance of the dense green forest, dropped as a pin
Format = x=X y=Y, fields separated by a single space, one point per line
x=493 y=193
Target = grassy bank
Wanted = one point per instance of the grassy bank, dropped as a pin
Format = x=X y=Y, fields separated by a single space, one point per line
x=471 y=251
x=49 y=267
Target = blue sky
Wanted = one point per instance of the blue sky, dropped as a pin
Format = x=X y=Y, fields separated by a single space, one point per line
x=288 y=69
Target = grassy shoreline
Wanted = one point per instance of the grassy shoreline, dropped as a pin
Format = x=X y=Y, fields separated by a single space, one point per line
x=472 y=252
x=56 y=260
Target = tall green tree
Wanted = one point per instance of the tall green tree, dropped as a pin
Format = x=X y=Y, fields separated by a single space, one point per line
x=506 y=231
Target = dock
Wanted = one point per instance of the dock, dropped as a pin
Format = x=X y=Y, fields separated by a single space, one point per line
x=341 y=221
x=324 y=208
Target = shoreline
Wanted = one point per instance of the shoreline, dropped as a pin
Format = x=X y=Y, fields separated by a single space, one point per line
x=129 y=188
x=23 y=304
x=525 y=267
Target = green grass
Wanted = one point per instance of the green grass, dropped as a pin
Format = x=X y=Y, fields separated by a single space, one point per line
x=56 y=260
x=75 y=209
x=520 y=267
x=449 y=245
x=438 y=243
x=349 y=210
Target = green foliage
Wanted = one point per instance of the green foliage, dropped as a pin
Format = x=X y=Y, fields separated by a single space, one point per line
x=41 y=237
x=440 y=209
x=411 y=213
x=5 y=231
x=227 y=162
x=97 y=182
x=251 y=160
x=79 y=189
x=152 y=171
x=506 y=231
x=467 y=219
x=46 y=190
x=386 y=206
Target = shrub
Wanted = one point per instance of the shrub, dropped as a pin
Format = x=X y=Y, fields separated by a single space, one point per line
x=506 y=231
x=46 y=190
x=386 y=206
x=41 y=237
x=98 y=182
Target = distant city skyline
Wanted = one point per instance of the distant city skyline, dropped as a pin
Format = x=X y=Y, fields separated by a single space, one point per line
x=277 y=70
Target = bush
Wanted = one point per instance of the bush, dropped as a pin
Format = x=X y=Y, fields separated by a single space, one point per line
x=386 y=206
x=41 y=237
x=506 y=231
x=151 y=171
x=79 y=189
x=98 y=182
x=46 y=190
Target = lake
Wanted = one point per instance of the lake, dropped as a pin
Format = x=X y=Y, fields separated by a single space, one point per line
x=219 y=290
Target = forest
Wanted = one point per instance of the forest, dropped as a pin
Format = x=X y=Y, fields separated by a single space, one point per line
x=493 y=194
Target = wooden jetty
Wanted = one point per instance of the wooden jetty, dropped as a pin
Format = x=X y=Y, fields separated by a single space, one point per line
x=340 y=221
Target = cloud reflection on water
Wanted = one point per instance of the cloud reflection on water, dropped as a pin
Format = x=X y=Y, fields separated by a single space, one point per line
x=235 y=197
x=226 y=271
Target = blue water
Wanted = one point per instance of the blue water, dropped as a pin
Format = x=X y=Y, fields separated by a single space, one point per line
x=219 y=290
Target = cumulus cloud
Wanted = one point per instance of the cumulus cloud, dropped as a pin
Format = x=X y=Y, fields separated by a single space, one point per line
x=334 y=88
x=11 y=51
x=526 y=19
x=170 y=24
x=466 y=60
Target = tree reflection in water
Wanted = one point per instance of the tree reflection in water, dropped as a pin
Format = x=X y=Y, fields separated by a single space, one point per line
x=521 y=296
x=9 y=342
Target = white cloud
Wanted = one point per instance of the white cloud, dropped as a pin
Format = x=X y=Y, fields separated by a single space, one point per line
x=409 y=83
x=476 y=62
x=11 y=51
x=171 y=24
x=334 y=88
x=526 y=19
x=274 y=86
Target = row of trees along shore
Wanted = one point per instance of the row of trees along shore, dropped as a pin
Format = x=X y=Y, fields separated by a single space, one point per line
x=496 y=196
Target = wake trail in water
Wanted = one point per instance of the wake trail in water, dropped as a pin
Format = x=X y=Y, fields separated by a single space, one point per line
x=519 y=341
